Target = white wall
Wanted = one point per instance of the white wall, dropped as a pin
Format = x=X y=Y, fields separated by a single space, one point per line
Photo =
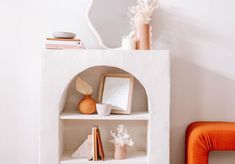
x=199 y=34
x=19 y=81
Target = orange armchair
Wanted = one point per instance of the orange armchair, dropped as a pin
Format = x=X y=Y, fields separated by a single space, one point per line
x=203 y=137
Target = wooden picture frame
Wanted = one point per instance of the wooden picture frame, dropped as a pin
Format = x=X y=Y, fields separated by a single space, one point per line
x=117 y=90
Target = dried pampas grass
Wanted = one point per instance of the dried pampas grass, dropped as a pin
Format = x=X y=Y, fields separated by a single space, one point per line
x=83 y=87
x=142 y=12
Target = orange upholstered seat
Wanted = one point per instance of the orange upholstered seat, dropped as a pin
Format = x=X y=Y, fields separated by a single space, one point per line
x=203 y=137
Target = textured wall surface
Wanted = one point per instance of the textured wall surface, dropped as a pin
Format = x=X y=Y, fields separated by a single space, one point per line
x=200 y=36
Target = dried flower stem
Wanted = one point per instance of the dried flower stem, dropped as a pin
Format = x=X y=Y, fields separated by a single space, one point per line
x=142 y=12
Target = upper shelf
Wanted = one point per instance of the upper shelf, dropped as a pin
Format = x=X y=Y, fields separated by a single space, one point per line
x=94 y=52
x=77 y=116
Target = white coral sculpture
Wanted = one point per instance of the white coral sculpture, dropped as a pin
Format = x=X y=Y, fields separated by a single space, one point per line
x=121 y=136
x=142 y=12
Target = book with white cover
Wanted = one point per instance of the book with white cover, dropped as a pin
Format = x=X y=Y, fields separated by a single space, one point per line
x=58 y=42
x=58 y=46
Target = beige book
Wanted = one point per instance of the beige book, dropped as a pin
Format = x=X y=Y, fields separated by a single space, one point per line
x=61 y=39
x=95 y=144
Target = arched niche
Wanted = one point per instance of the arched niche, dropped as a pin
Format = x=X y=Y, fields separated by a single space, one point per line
x=93 y=76
x=73 y=132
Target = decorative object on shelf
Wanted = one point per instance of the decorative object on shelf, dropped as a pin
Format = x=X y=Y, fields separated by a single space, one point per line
x=92 y=147
x=103 y=109
x=128 y=43
x=89 y=145
x=82 y=151
x=142 y=36
x=101 y=22
x=117 y=89
x=120 y=152
x=95 y=146
x=61 y=43
x=121 y=139
x=87 y=105
x=140 y=17
x=64 y=35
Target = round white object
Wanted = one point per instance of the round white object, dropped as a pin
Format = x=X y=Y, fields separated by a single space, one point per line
x=64 y=35
x=103 y=109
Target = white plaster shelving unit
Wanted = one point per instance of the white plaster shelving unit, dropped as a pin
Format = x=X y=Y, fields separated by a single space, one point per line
x=63 y=129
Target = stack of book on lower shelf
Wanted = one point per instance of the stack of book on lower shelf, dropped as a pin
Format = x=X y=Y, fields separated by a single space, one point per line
x=95 y=147
x=60 y=43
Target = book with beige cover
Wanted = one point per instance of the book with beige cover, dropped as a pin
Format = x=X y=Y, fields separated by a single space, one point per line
x=95 y=146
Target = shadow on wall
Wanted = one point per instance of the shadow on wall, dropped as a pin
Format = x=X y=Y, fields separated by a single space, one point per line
x=174 y=28
x=198 y=94
x=200 y=87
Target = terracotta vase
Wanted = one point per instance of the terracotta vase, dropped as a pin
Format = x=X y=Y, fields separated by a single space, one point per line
x=87 y=105
x=120 y=152
x=142 y=36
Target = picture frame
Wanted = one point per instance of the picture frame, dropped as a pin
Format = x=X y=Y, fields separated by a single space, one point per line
x=117 y=90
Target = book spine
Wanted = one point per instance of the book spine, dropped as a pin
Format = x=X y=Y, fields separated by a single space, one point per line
x=95 y=145
x=100 y=145
x=58 y=46
x=73 y=43
x=60 y=39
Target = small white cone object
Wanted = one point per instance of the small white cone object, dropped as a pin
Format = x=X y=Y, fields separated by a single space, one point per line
x=82 y=151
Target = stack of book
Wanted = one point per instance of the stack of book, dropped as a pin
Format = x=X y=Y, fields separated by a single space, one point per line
x=95 y=147
x=58 y=43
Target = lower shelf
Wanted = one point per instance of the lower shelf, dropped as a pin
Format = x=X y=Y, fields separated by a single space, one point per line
x=139 y=157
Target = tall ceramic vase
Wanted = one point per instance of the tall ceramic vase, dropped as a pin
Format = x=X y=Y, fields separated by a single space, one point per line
x=87 y=105
x=142 y=36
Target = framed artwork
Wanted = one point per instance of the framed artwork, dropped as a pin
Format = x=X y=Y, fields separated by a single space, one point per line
x=117 y=89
